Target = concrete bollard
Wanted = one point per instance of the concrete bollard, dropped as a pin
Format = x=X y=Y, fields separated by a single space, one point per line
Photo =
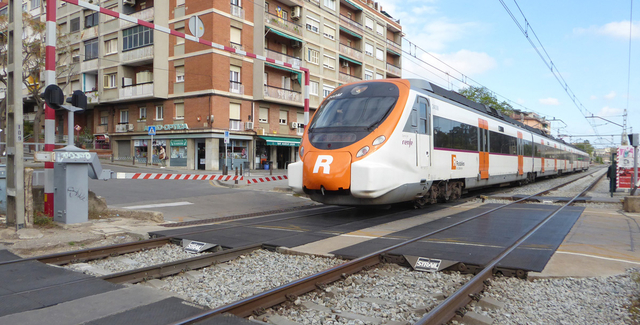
x=111 y=157
x=236 y=175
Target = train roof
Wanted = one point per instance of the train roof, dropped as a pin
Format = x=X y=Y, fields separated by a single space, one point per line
x=482 y=108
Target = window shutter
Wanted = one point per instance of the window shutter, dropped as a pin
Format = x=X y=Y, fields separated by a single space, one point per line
x=234 y=111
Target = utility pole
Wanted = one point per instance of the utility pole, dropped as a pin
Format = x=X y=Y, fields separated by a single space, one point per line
x=15 y=132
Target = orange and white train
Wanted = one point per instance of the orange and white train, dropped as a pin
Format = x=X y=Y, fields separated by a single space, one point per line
x=397 y=140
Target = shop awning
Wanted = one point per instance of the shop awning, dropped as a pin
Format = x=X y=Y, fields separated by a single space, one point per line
x=353 y=4
x=299 y=73
x=285 y=35
x=350 y=60
x=281 y=141
x=352 y=33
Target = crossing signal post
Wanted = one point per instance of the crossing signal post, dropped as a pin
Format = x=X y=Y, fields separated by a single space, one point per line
x=634 y=141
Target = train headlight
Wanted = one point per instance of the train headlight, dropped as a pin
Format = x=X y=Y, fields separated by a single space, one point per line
x=301 y=151
x=362 y=151
x=379 y=140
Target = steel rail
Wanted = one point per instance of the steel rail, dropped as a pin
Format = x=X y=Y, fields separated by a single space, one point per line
x=125 y=248
x=275 y=296
x=446 y=310
x=176 y=267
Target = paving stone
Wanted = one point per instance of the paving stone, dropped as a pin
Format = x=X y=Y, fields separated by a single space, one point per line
x=154 y=283
x=473 y=318
x=490 y=303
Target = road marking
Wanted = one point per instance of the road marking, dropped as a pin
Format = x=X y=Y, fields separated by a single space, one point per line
x=158 y=205
x=599 y=257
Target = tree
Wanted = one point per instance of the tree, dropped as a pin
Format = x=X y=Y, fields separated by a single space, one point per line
x=33 y=63
x=585 y=146
x=483 y=95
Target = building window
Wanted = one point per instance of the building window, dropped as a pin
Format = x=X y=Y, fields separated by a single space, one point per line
x=331 y=4
x=180 y=111
x=368 y=75
x=236 y=3
x=368 y=23
x=368 y=49
x=104 y=118
x=91 y=49
x=91 y=20
x=234 y=116
x=180 y=73
x=135 y=37
x=107 y=17
x=75 y=24
x=159 y=113
x=329 y=32
x=180 y=40
x=264 y=115
x=313 y=88
x=286 y=82
x=179 y=3
x=283 y=118
x=35 y=4
x=326 y=90
x=124 y=117
x=312 y=55
x=236 y=38
x=379 y=76
x=313 y=24
x=379 y=29
x=234 y=79
x=110 y=81
x=111 y=46
x=24 y=7
x=379 y=54
x=329 y=62
x=143 y=113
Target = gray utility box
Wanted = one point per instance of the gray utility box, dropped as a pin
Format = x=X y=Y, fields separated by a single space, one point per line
x=71 y=170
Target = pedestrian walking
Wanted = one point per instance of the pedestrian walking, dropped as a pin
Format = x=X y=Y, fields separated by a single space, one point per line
x=162 y=156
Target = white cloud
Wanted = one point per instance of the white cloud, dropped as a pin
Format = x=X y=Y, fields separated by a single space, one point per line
x=610 y=95
x=619 y=29
x=435 y=35
x=549 y=101
x=609 y=111
x=467 y=62
x=593 y=97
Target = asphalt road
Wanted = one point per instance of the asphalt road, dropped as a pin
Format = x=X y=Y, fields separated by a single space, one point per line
x=187 y=200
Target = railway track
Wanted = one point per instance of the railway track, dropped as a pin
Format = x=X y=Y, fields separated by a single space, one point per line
x=285 y=293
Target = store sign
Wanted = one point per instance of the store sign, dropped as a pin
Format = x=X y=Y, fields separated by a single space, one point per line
x=178 y=143
x=139 y=143
x=170 y=127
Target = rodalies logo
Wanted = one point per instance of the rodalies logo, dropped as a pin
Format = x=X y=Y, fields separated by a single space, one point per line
x=323 y=161
x=407 y=143
x=455 y=164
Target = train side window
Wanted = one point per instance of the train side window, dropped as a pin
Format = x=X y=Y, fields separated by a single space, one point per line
x=423 y=110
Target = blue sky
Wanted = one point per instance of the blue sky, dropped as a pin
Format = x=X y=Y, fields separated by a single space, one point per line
x=588 y=42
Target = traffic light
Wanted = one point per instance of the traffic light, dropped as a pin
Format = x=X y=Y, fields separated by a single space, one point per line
x=53 y=96
x=78 y=99
x=634 y=139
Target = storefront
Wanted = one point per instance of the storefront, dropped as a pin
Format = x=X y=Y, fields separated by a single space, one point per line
x=237 y=154
x=102 y=142
x=178 y=149
x=279 y=151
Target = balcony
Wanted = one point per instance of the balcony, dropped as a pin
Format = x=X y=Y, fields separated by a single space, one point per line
x=92 y=97
x=394 y=70
x=347 y=78
x=276 y=21
x=139 y=90
x=90 y=65
x=146 y=15
x=236 y=87
x=350 y=51
x=139 y=54
x=235 y=125
x=237 y=11
x=394 y=46
x=350 y=22
x=281 y=93
x=282 y=57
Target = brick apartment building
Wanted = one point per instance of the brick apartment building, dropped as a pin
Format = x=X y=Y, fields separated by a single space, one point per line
x=135 y=77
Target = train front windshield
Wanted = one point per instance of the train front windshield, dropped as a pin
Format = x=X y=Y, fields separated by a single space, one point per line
x=351 y=113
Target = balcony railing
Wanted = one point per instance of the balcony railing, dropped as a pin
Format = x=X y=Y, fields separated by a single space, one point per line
x=350 y=51
x=347 y=78
x=235 y=125
x=236 y=46
x=351 y=22
x=139 y=90
x=146 y=15
x=236 y=87
x=393 y=69
x=394 y=46
x=102 y=129
x=282 y=57
x=237 y=11
x=138 y=54
x=92 y=97
x=281 y=93
x=281 y=23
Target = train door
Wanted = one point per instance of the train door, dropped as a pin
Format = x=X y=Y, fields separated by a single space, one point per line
x=542 y=155
x=424 y=131
x=555 y=157
x=520 y=149
x=483 y=149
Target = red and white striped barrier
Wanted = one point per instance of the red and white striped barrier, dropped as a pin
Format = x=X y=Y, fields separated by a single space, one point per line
x=199 y=177
x=195 y=177
x=266 y=179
